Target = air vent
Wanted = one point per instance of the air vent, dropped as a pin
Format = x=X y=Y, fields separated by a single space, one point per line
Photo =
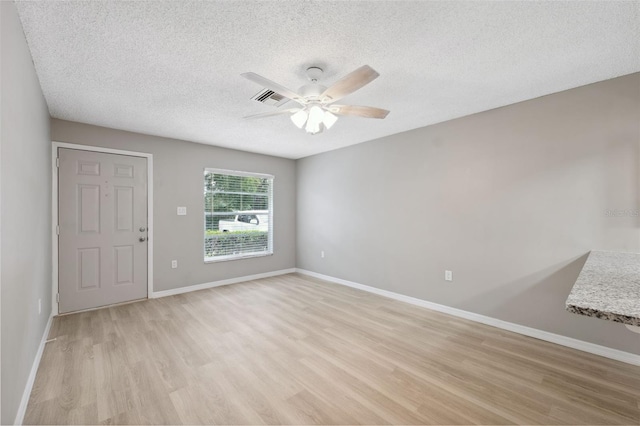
x=269 y=97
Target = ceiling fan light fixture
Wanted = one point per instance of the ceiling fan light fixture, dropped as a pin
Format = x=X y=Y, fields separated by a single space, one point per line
x=316 y=116
x=312 y=127
x=329 y=119
x=299 y=118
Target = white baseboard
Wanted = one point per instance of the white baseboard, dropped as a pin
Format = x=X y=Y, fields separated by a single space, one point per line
x=203 y=286
x=581 y=345
x=22 y=409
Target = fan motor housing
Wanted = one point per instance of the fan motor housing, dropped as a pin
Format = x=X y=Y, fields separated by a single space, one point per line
x=312 y=91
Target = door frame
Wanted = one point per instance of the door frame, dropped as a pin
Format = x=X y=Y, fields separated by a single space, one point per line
x=54 y=212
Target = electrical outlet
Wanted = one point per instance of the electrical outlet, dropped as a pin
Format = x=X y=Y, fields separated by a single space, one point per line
x=322 y=254
x=39 y=306
x=174 y=264
x=182 y=211
x=448 y=276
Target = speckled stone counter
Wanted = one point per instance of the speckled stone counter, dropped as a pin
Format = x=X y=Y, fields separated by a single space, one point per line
x=608 y=287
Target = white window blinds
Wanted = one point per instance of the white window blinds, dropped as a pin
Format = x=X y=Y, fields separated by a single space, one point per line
x=238 y=215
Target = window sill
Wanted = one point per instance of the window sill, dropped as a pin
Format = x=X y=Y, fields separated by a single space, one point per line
x=235 y=257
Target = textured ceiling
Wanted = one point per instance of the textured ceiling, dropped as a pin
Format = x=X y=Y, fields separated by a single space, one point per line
x=173 y=68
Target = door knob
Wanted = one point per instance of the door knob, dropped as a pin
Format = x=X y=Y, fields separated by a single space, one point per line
x=142 y=239
x=142 y=229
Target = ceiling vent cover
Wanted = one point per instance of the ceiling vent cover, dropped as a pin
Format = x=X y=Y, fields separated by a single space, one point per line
x=269 y=97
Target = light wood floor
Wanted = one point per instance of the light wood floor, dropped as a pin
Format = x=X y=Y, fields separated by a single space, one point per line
x=295 y=350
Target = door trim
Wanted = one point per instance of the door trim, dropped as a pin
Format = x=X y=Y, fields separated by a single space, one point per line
x=54 y=212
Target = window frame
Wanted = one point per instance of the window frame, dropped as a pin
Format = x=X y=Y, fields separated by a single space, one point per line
x=225 y=258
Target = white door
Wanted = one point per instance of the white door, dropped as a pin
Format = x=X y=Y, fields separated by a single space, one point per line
x=102 y=214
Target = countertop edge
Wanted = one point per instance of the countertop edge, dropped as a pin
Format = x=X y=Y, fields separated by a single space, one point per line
x=597 y=313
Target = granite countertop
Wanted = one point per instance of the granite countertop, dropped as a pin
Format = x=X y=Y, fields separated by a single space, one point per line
x=608 y=287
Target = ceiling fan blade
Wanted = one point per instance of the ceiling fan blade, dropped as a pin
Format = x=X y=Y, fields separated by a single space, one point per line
x=268 y=84
x=269 y=114
x=350 y=83
x=359 y=111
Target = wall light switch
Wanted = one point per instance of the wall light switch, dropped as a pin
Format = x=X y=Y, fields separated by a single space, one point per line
x=174 y=264
x=448 y=276
x=182 y=211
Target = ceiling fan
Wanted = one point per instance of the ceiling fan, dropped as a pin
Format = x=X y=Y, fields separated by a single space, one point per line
x=317 y=110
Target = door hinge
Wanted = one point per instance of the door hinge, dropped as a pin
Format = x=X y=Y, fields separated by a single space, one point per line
x=57 y=161
x=57 y=229
x=57 y=297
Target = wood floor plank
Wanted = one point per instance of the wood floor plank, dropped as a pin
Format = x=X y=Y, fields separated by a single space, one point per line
x=298 y=350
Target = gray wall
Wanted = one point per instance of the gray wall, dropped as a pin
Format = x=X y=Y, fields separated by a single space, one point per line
x=511 y=200
x=25 y=224
x=178 y=181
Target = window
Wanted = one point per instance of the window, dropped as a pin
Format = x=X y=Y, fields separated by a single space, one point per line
x=238 y=215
